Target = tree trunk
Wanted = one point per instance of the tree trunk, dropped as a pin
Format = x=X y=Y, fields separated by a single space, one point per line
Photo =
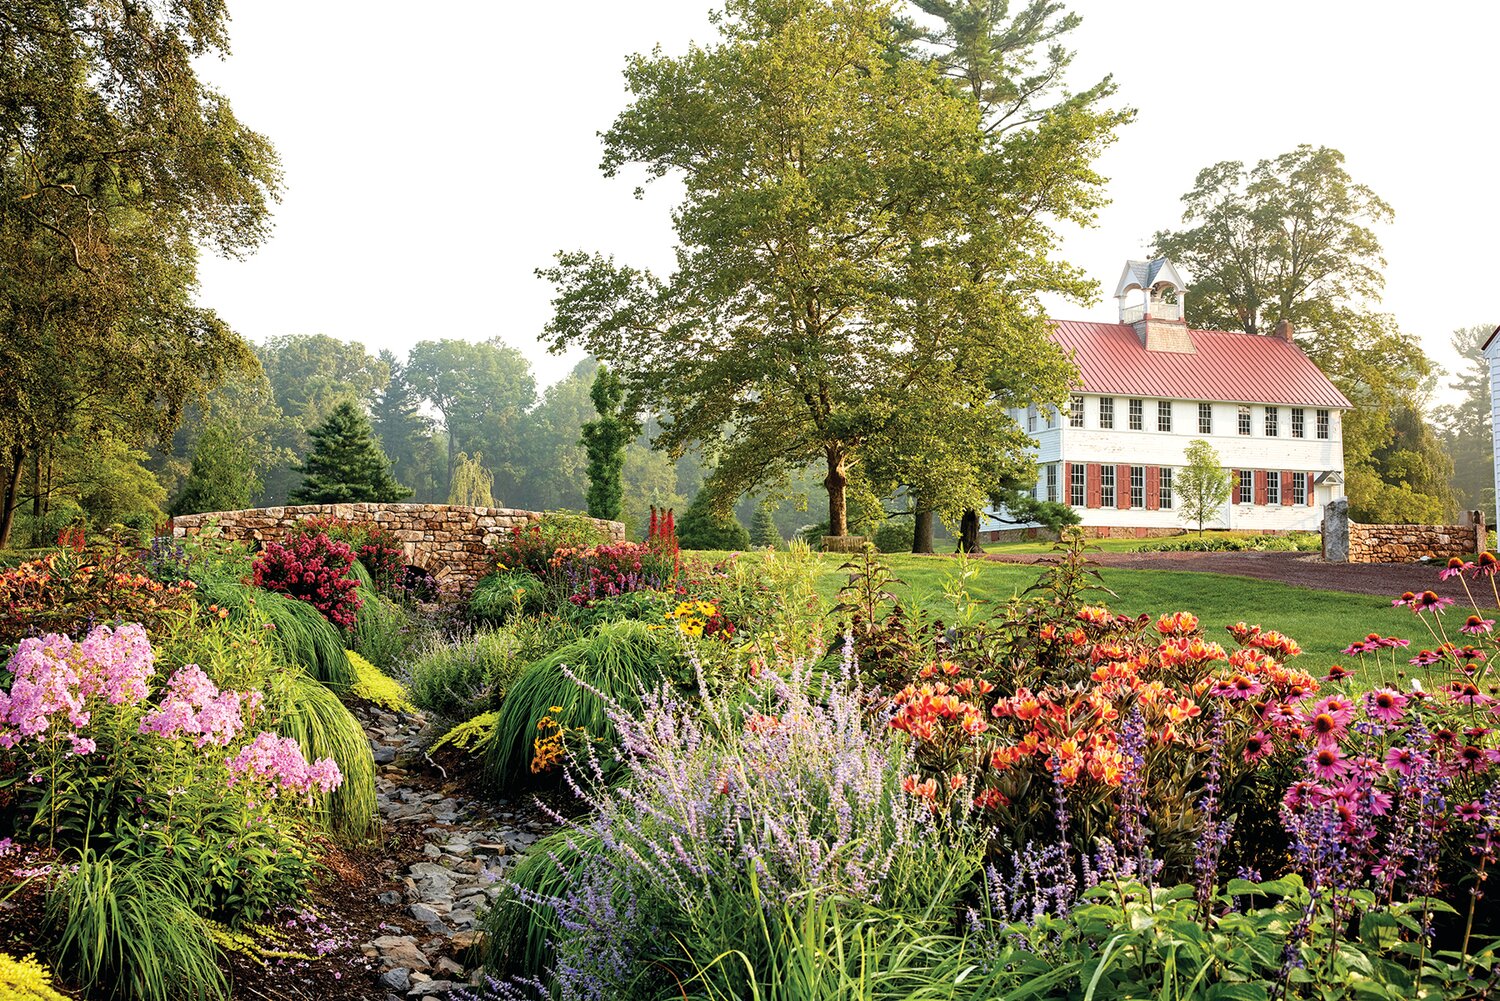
x=836 y=481
x=921 y=535
x=36 y=499
x=968 y=533
x=11 y=495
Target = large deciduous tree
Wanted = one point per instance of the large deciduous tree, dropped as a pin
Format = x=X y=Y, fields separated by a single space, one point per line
x=850 y=239
x=483 y=391
x=116 y=161
x=1292 y=239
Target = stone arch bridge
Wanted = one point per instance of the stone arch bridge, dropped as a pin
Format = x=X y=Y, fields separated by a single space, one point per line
x=447 y=541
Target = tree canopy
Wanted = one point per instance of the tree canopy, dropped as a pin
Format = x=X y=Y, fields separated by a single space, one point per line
x=346 y=464
x=850 y=238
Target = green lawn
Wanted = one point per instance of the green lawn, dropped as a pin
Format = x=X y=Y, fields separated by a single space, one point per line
x=1120 y=545
x=1324 y=622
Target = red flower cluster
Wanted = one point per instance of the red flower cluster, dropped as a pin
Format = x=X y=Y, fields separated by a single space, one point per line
x=314 y=569
x=375 y=547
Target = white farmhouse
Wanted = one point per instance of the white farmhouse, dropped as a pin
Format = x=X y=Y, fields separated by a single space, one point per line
x=1149 y=386
x=1491 y=351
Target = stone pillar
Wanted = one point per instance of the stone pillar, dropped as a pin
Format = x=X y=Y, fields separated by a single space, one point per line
x=1475 y=520
x=1336 y=531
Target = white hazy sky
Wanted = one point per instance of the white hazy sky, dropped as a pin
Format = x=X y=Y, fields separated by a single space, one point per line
x=436 y=154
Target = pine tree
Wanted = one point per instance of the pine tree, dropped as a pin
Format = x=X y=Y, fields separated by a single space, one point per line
x=763 y=533
x=604 y=440
x=405 y=435
x=703 y=527
x=346 y=464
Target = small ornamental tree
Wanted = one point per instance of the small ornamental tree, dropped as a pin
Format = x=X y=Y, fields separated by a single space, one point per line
x=315 y=569
x=346 y=464
x=1202 y=486
x=763 y=533
x=604 y=440
x=473 y=485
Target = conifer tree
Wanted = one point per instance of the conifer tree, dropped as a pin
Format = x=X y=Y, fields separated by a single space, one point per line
x=346 y=464
x=604 y=440
x=703 y=526
x=763 y=533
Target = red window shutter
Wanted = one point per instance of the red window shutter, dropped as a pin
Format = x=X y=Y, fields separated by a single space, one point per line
x=1066 y=493
x=1153 y=488
x=1091 y=483
x=1286 y=487
x=1122 y=487
x=1260 y=486
x=1234 y=486
x=1310 y=501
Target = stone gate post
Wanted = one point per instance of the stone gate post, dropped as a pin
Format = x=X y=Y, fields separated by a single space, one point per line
x=1336 y=531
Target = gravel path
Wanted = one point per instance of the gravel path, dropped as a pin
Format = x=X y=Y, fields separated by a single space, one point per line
x=1300 y=569
x=466 y=846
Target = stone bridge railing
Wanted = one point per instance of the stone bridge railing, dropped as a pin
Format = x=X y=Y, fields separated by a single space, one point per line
x=449 y=542
x=1345 y=541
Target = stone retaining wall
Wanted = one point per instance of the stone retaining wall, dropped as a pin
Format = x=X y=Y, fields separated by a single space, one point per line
x=448 y=542
x=1345 y=541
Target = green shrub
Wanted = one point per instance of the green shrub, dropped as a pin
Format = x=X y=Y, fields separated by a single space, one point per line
x=1225 y=542
x=638 y=606
x=122 y=928
x=324 y=728
x=460 y=680
x=617 y=660
x=469 y=736
x=894 y=535
x=507 y=593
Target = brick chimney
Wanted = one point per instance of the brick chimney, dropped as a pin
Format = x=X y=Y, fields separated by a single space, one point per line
x=1283 y=330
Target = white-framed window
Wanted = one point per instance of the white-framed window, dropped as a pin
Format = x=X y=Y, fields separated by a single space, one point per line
x=1246 y=492
x=1299 y=488
x=1106 y=486
x=1076 y=495
x=1137 y=415
x=1163 y=415
x=1244 y=414
x=1205 y=418
x=1137 y=486
x=1052 y=482
x=1323 y=425
x=1106 y=412
x=1299 y=422
x=1165 y=488
x=1273 y=422
x=1031 y=420
x=1075 y=411
x=1273 y=487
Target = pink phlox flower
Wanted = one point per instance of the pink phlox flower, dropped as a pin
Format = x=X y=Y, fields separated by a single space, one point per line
x=279 y=764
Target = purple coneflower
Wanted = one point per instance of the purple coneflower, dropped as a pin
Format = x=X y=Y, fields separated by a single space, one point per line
x=1386 y=705
x=1470 y=813
x=1257 y=745
x=1327 y=764
x=1429 y=601
x=1486 y=565
x=1455 y=568
x=1402 y=760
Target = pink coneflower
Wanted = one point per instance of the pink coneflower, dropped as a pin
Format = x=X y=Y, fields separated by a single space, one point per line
x=1386 y=705
x=1394 y=641
x=1378 y=803
x=1472 y=759
x=1359 y=648
x=1427 y=658
x=1407 y=598
x=1455 y=568
x=1430 y=601
x=1257 y=745
x=1403 y=760
x=1468 y=693
x=1475 y=626
x=1328 y=764
x=1339 y=706
x=1486 y=565
x=1239 y=687
x=1338 y=673
x=1470 y=813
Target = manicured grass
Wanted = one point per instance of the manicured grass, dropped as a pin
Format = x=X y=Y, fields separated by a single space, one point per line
x=1323 y=622
x=1119 y=545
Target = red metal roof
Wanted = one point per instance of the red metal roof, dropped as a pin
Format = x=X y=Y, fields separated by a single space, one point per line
x=1225 y=368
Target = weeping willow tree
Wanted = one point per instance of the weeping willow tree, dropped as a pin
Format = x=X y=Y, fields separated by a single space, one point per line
x=473 y=485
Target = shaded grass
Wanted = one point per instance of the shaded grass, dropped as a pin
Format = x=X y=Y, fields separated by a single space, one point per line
x=460 y=680
x=382 y=628
x=299 y=631
x=519 y=932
